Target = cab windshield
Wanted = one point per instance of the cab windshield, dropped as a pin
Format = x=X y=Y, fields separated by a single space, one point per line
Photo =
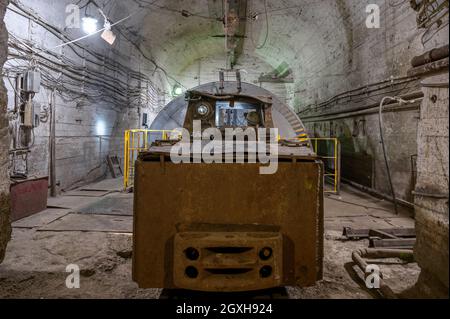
x=240 y=114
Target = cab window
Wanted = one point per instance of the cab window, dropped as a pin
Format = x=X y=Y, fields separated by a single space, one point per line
x=240 y=115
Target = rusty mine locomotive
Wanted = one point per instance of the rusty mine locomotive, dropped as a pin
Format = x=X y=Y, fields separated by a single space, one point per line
x=226 y=227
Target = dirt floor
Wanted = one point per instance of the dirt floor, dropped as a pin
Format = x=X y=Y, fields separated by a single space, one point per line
x=91 y=227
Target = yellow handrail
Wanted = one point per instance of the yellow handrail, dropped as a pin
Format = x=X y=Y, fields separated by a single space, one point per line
x=137 y=141
x=302 y=136
x=335 y=157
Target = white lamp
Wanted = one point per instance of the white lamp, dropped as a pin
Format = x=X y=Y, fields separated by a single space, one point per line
x=89 y=25
x=108 y=35
x=177 y=90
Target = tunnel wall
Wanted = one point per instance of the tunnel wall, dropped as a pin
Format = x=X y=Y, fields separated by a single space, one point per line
x=331 y=53
x=432 y=188
x=371 y=64
x=5 y=227
x=431 y=200
x=90 y=123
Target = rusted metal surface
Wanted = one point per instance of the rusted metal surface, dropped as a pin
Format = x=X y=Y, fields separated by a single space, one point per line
x=301 y=152
x=428 y=68
x=28 y=197
x=381 y=234
x=431 y=56
x=394 y=243
x=170 y=199
x=237 y=261
x=227 y=227
x=393 y=238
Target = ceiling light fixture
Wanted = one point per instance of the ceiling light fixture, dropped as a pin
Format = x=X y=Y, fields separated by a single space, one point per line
x=89 y=25
x=177 y=90
x=107 y=35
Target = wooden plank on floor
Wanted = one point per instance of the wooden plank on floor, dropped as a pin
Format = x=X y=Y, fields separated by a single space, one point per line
x=115 y=204
x=338 y=223
x=69 y=202
x=91 y=223
x=41 y=219
x=401 y=222
x=112 y=185
x=83 y=193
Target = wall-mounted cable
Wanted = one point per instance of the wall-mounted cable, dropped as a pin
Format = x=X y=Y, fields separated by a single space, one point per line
x=267 y=27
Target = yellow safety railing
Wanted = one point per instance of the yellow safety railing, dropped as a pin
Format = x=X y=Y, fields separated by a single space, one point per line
x=137 y=141
x=331 y=161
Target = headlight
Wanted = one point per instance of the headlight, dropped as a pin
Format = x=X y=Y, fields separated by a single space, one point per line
x=202 y=110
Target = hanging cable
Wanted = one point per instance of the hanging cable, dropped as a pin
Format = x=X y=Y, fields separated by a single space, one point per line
x=74 y=45
x=266 y=37
x=90 y=35
x=183 y=12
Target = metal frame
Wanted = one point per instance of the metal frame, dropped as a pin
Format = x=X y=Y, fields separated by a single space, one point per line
x=335 y=176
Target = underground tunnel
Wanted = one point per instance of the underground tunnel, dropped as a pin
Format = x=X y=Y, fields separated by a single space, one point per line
x=292 y=149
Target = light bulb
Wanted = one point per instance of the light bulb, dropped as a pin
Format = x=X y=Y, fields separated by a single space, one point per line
x=178 y=90
x=100 y=128
x=89 y=25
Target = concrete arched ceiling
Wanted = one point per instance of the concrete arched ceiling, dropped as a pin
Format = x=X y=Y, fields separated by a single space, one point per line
x=312 y=39
x=305 y=35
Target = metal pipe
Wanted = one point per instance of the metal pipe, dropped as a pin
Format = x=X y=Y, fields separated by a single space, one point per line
x=364 y=89
x=376 y=193
x=430 y=195
x=395 y=107
x=359 y=255
x=409 y=96
x=443 y=85
x=383 y=144
x=431 y=56
x=222 y=81
x=239 y=81
x=17 y=99
x=432 y=67
x=53 y=192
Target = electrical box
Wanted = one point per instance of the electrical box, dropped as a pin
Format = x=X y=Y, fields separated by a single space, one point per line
x=145 y=120
x=28 y=114
x=32 y=81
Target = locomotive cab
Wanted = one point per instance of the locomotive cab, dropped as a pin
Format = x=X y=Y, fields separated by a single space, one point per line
x=228 y=111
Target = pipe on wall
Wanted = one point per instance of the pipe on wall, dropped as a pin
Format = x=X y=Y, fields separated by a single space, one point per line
x=363 y=90
x=431 y=56
x=378 y=194
x=364 y=110
x=53 y=191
